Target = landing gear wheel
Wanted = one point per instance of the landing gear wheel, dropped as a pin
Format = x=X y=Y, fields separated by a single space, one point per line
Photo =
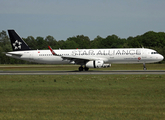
x=86 y=69
x=80 y=68
x=144 y=68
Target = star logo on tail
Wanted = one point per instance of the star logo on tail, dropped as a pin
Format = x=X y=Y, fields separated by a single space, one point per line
x=17 y=45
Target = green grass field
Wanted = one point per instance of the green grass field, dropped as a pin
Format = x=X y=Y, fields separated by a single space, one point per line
x=82 y=97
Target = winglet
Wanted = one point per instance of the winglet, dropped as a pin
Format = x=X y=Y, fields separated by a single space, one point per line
x=52 y=50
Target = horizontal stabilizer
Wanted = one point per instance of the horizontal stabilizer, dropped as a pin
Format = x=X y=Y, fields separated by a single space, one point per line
x=15 y=54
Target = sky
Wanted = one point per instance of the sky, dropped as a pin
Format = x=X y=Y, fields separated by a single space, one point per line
x=67 y=18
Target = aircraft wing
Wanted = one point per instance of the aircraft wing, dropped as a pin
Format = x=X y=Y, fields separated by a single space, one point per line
x=74 y=59
x=77 y=57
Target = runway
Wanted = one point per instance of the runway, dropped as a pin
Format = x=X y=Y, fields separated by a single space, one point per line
x=118 y=72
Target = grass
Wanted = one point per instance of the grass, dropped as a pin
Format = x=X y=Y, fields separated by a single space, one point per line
x=75 y=67
x=82 y=97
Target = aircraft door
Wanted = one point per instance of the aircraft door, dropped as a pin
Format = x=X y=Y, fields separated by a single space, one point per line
x=144 y=54
x=31 y=59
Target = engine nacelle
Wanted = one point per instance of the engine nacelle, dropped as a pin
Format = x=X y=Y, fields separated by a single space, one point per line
x=96 y=64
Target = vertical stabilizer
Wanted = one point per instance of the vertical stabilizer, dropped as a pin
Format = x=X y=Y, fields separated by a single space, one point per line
x=16 y=42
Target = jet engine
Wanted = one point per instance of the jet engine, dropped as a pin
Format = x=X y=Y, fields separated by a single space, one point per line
x=96 y=64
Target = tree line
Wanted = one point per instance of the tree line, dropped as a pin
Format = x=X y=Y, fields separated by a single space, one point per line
x=150 y=39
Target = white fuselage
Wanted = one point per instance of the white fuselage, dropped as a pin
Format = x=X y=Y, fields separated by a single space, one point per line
x=129 y=55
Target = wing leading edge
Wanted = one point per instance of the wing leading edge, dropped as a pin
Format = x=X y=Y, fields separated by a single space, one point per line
x=76 y=59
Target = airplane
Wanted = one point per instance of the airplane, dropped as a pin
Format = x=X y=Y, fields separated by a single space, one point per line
x=89 y=58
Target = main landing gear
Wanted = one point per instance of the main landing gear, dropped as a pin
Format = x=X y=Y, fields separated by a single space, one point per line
x=144 y=66
x=81 y=68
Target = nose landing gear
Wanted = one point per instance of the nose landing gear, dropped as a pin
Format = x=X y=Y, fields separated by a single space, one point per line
x=144 y=66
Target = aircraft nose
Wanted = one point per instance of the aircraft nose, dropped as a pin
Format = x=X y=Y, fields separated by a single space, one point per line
x=161 y=57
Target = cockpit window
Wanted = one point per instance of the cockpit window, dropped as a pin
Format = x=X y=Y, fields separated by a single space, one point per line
x=154 y=52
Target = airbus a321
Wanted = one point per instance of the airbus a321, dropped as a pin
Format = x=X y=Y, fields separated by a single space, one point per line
x=86 y=58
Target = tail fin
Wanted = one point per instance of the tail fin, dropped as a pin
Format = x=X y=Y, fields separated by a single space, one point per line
x=16 y=42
